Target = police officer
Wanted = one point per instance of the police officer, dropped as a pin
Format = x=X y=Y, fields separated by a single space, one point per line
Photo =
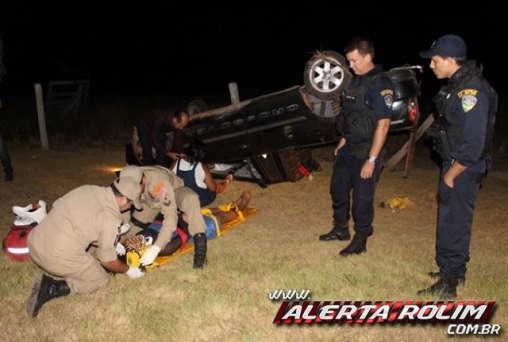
x=364 y=124
x=466 y=106
x=88 y=215
x=164 y=192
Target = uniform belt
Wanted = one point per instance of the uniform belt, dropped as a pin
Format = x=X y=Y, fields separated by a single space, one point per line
x=139 y=223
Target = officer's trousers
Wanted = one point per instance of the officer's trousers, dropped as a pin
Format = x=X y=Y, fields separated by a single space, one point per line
x=82 y=272
x=455 y=218
x=346 y=179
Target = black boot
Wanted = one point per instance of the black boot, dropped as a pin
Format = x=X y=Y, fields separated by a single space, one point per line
x=357 y=246
x=445 y=287
x=337 y=233
x=435 y=275
x=44 y=289
x=199 y=250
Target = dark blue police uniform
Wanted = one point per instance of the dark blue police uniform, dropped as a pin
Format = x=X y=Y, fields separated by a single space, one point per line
x=367 y=100
x=464 y=106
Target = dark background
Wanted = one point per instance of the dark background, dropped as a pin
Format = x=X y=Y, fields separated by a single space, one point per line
x=189 y=48
x=262 y=46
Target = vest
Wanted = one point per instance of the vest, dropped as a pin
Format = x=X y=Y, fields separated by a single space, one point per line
x=357 y=122
x=444 y=102
x=189 y=179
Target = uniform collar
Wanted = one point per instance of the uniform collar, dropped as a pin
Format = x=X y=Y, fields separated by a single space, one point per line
x=374 y=71
x=466 y=69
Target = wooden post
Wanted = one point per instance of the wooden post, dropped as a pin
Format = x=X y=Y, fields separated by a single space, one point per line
x=410 y=151
x=409 y=146
x=233 y=92
x=41 y=116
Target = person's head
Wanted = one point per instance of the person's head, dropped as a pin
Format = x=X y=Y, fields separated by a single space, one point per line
x=447 y=55
x=134 y=172
x=127 y=192
x=360 y=55
x=195 y=152
x=181 y=120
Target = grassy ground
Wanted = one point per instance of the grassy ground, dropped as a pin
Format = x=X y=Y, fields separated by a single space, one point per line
x=276 y=249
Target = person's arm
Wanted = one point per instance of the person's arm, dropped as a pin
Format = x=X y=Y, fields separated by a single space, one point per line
x=211 y=184
x=115 y=266
x=173 y=166
x=340 y=145
x=452 y=173
x=472 y=107
x=169 y=211
x=474 y=114
x=380 y=134
x=381 y=96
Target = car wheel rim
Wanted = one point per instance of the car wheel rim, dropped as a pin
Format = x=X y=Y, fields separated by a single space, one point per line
x=326 y=75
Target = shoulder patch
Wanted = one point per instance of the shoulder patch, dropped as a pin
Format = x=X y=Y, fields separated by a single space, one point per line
x=158 y=190
x=387 y=95
x=466 y=92
x=468 y=102
x=468 y=98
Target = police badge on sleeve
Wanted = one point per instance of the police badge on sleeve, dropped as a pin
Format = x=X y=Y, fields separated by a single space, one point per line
x=468 y=99
x=387 y=95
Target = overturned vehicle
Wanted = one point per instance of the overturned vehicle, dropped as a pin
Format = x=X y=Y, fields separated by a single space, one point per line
x=270 y=136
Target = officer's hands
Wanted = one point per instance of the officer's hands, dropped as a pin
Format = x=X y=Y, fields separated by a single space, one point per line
x=149 y=255
x=341 y=144
x=367 y=170
x=448 y=180
x=134 y=272
x=120 y=249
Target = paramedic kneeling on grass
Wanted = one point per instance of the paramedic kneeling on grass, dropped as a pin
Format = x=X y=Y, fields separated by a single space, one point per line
x=87 y=215
x=163 y=193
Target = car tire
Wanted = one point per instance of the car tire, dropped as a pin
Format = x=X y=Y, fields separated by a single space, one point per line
x=326 y=75
x=196 y=106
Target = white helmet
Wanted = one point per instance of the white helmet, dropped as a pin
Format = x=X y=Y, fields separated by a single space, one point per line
x=32 y=213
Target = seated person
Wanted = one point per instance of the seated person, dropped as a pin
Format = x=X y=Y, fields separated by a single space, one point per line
x=197 y=176
x=182 y=236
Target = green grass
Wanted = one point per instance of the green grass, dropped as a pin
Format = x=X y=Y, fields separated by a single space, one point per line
x=275 y=249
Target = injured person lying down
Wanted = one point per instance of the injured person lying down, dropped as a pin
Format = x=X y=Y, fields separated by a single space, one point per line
x=215 y=219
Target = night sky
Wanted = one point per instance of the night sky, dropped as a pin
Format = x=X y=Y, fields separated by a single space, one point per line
x=192 y=44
